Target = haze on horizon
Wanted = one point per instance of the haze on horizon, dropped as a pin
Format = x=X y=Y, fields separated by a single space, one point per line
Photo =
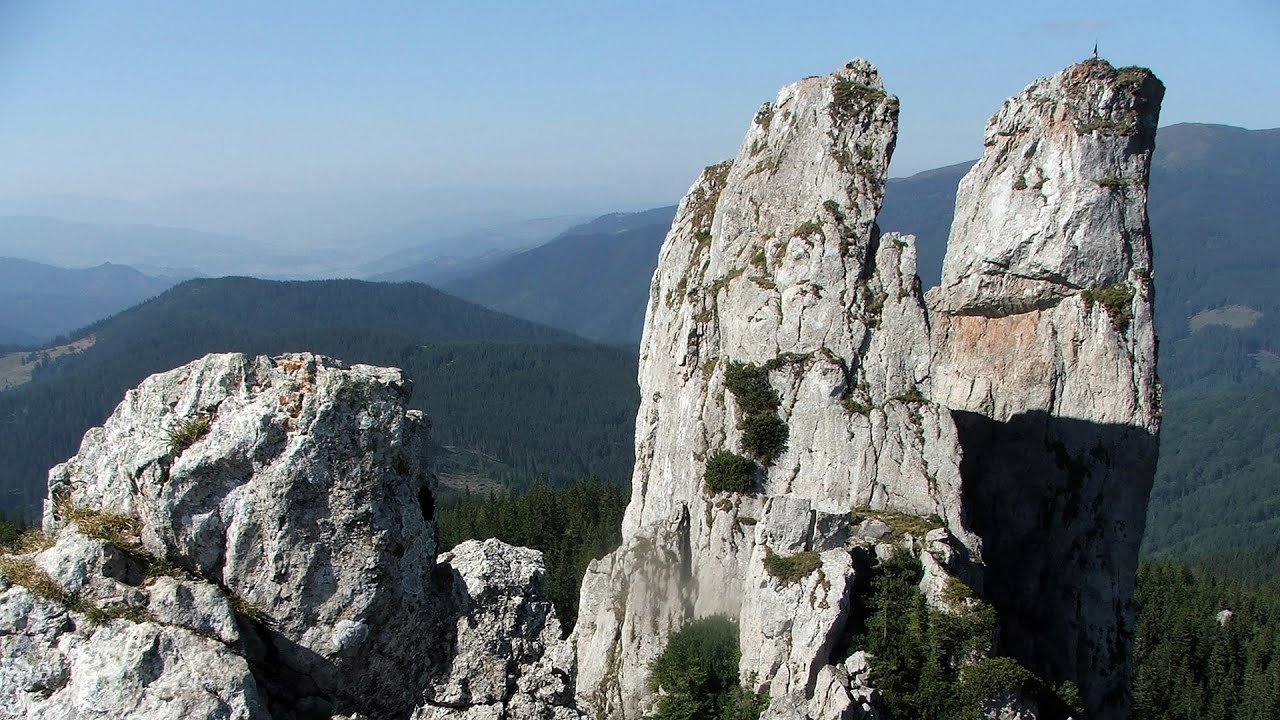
x=244 y=117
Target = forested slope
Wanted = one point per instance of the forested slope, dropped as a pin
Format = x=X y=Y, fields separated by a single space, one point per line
x=509 y=398
x=593 y=279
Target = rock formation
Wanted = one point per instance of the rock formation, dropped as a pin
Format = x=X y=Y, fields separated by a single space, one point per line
x=254 y=538
x=1014 y=410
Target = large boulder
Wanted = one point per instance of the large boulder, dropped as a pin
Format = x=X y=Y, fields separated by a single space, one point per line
x=259 y=534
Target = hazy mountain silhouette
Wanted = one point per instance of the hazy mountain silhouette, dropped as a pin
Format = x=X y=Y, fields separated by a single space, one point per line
x=593 y=279
x=41 y=301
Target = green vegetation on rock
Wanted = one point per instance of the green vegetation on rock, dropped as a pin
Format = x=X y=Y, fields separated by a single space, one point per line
x=791 y=568
x=696 y=676
x=764 y=434
x=1118 y=301
x=728 y=472
x=851 y=99
x=187 y=432
x=899 y=523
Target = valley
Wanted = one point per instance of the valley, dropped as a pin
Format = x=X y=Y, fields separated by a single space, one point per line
x=384 y=363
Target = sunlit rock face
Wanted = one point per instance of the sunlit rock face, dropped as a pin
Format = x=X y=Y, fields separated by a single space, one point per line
x=1016 y=407
x=255 y=538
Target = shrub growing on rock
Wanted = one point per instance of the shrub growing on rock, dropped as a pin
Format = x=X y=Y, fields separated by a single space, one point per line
x=749 y=384
x=728 y=472
x=697 y=674
x=764 y=436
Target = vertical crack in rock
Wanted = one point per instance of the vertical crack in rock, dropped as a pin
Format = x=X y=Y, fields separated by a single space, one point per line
x=1015 y=412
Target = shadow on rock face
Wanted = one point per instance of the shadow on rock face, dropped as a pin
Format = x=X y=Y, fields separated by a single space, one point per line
x=402 y=655
x=1060 y=505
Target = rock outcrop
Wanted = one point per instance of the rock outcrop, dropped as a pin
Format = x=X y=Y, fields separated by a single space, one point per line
x=255 y=538
x=1045 y=351
x=1015 y=410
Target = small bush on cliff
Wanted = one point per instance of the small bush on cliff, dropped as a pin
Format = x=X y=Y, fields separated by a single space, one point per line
x=764 y=436
x=728 y=472
x=1117 y=299
x=697 y=674
x=749 y=384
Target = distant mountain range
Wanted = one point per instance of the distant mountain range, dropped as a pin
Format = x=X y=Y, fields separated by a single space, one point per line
x=593 y=279
x=509 y=399
x=162 y=250
x=39 y=302
x=429 y=257
x=327 y=220
x=45 y=291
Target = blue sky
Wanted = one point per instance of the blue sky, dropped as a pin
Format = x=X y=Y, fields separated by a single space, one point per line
x=133 y=99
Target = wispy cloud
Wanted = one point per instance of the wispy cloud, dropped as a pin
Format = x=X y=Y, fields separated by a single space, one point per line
x=1068 y=26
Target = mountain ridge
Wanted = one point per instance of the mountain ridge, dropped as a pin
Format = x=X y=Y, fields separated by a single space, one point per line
x=409 y=325
x=593 y=278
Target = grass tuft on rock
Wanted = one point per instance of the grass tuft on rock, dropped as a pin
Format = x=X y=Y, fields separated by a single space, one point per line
x=24 y=571
x=119 y=530
x=1117 y=299
x=791 y=568
x=188 y=432
x=900 y=523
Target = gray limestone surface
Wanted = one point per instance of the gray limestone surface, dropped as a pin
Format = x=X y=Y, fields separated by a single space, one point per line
x=255 y=538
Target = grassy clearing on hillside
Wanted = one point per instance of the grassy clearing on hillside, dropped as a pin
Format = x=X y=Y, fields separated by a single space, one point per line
x=16 y=367
x=1236 y=317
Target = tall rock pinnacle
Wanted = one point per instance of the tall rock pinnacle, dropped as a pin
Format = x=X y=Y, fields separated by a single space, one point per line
x=1046 y=351
x=1015 y=412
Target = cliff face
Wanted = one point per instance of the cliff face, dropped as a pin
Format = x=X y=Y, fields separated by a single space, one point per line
x=1016 y=409
x=254 y=538
x=1045 y=351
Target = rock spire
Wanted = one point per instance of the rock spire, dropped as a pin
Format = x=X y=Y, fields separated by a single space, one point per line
x=1014 y=411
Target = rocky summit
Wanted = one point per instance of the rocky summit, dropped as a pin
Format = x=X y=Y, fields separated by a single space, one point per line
x=802 y=399
x=254 y=538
